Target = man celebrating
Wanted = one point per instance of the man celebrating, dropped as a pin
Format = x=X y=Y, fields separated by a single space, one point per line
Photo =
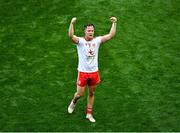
x=88 y=75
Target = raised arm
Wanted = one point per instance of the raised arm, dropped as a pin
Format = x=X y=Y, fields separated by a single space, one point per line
x=112 y=31
x=73 y=37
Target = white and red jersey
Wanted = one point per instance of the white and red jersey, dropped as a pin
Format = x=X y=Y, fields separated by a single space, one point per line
x=88 y=54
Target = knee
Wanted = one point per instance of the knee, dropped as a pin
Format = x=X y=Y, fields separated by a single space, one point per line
x=91 y=94
x=79 y=95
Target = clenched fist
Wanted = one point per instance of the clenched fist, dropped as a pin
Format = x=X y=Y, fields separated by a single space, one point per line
x=113 y=19
x=73 y=20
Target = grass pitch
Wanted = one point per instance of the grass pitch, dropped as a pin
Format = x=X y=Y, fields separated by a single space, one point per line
x=139 y=68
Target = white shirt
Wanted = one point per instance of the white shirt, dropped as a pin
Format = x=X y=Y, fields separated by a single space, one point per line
x=88 y=54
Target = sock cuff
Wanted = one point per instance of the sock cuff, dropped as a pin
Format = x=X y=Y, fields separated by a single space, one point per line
x=89 y=110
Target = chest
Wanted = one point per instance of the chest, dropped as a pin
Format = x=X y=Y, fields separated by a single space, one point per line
x=90 y=45
x=89 y=49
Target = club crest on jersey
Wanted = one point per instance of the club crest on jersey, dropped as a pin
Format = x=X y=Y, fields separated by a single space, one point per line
x=91 y=52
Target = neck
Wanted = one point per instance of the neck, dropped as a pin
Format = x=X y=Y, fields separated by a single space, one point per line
x=87 y=38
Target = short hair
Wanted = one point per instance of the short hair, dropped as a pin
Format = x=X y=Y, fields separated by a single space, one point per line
x=88 y=24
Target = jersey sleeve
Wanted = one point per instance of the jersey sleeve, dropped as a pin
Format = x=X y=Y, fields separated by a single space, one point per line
x=80 y=41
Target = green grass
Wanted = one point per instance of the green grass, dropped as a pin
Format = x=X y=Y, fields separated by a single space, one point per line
x=139 y=68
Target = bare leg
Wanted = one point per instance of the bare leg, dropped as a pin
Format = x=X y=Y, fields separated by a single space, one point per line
x=79 y=93
x=91 y=97
x=90 y=104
